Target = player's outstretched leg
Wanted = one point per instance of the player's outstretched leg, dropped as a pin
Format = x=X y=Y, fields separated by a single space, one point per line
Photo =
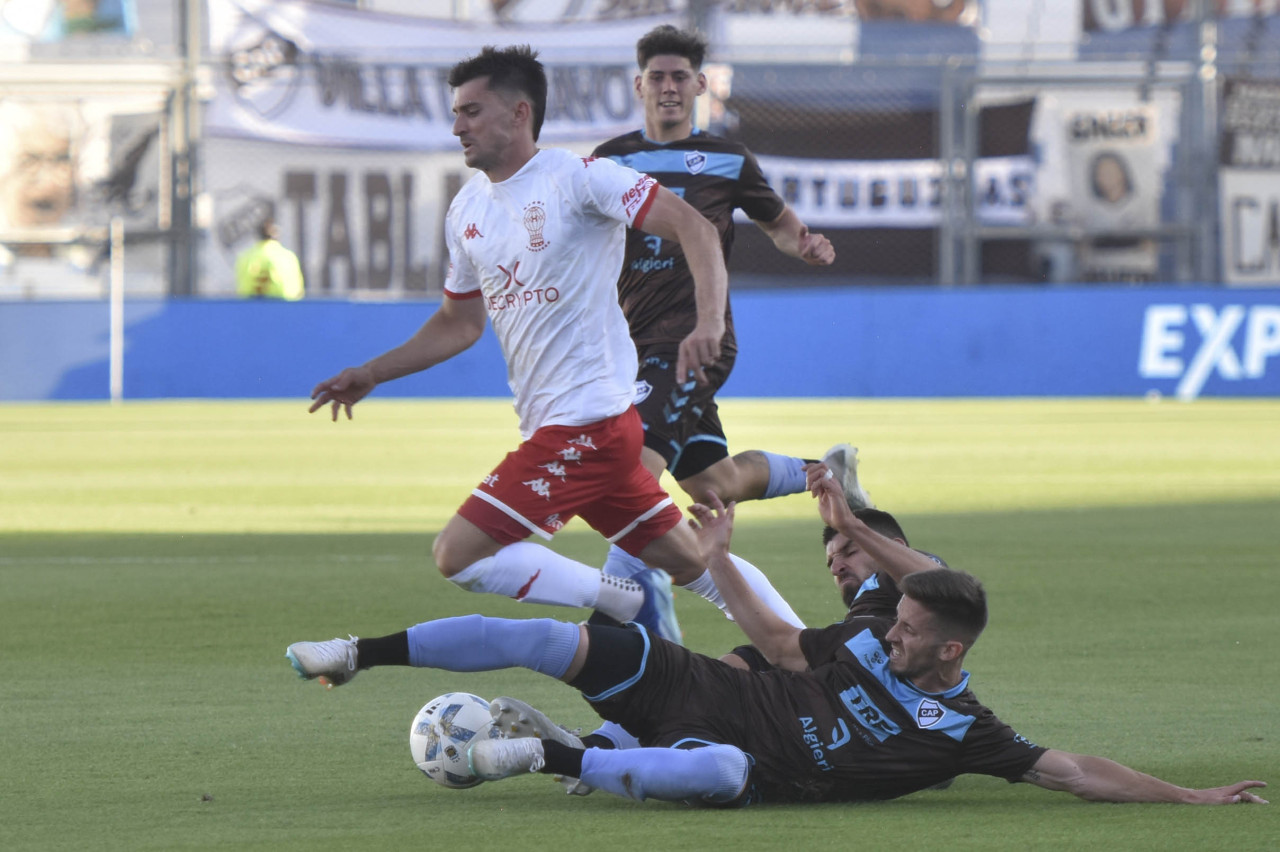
x=516 y=719
x=493 y=760
x=842 y=461
x=334 y=661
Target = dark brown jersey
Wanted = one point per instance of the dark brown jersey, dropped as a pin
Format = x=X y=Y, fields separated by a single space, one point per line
x=714 y=175
x=847 y=729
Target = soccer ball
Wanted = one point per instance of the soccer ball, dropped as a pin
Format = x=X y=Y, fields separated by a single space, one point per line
x=442 y=732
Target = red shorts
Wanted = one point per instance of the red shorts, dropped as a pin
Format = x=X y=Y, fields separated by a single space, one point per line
x=593 y=472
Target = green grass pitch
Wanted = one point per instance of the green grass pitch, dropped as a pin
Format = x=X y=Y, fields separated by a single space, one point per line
x=157 y=557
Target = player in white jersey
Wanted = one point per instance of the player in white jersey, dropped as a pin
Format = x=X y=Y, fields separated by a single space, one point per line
x=534 y=248
x=536 y=242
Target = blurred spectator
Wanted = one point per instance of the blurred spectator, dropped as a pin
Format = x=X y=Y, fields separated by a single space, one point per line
x=268 y=270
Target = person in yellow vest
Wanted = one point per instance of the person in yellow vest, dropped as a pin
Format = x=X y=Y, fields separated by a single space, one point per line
x=268 y=270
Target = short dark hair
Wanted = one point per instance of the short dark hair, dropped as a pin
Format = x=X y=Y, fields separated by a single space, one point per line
x=666 y=40
x=955 y=598
x=514 y=70
x=267 y=229
x=879 y=521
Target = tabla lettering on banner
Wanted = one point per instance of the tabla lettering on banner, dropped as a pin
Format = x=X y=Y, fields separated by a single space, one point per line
x=387 y=225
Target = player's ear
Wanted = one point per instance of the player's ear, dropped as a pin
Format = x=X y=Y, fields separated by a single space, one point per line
x=950 y=651
x=639 y=81
x=702 y=83
x=523 y=112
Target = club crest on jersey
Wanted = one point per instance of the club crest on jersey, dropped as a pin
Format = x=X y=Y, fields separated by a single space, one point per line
x=535 y=219
x=695 y=161
x=929 y=713
x=643 y=389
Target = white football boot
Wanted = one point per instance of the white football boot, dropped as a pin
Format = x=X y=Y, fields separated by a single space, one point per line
x=842 y=461
x=333 y=662
x=516 y=719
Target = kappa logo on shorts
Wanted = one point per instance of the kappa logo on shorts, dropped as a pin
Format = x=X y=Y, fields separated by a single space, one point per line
x=695 y=161
x=929 y=713
x=555 y=469
x=643 y=389
x=554 y=522
x=583 y=440
x=571 y=454
x=540 y=487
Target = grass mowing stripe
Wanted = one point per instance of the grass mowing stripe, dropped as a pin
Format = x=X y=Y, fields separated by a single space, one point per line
x=154 y=564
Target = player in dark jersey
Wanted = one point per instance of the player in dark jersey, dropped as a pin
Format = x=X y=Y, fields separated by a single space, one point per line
x=717 y=176
x=867 y=557
x=683 y=433
x=856 y=711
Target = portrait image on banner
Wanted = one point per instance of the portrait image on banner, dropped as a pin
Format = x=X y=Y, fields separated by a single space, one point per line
x=1102 y=162
x=1112 y=156
x=66 y=168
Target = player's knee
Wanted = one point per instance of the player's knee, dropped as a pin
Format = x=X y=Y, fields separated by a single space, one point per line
x=732 y=769
x=448 y=557
x=722 y=479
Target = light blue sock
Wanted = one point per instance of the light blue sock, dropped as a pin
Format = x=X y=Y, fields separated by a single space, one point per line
x=715 y=773
x=475 y=643
x=619 y=563
x=786 y=475
x=616 y=734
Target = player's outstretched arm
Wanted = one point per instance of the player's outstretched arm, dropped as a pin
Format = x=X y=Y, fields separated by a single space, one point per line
x=775 y=638
x=671 y=218
x=792 y=237
x=454 y=327
x=893 y=556
x=1098 y=779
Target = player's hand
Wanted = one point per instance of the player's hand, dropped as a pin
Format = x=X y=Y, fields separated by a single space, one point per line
x=1232 y=794
x=815 y=249
x=713 y=524
x=343 y=390
x=833 y=506
x=698 y=353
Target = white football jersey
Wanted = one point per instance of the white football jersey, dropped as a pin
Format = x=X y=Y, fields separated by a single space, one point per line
x=543 y=249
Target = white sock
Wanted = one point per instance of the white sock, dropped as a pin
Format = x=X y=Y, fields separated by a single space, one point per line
x=706 y=587
x=535 y=574
x=757 y=580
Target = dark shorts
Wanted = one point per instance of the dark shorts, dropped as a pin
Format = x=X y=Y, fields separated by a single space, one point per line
x=667 y=696
x=681 y=419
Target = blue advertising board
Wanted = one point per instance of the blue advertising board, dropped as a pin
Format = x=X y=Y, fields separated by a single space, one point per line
x=811 y=342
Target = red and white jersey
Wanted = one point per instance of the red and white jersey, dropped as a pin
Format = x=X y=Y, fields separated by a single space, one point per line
x=543 y=248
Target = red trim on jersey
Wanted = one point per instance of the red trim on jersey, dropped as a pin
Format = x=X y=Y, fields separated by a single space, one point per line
x=644 y=208
x=474 y=294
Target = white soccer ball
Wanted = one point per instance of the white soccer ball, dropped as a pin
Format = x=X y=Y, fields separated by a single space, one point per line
x=442 y=732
